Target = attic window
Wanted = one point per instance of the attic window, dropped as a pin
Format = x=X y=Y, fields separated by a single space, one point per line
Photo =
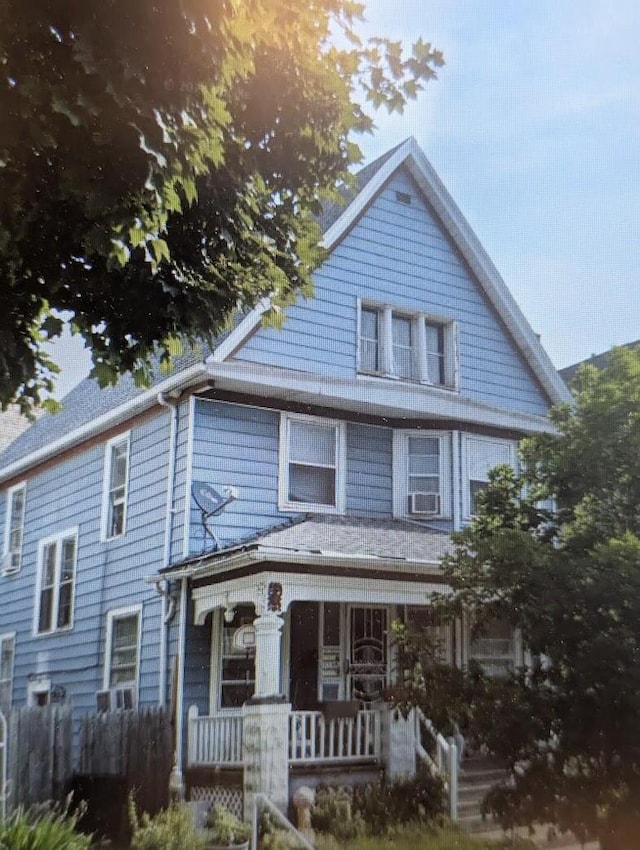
x=403 y=198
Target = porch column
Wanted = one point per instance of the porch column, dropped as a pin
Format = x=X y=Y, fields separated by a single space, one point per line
x=266 y=715
x=268 y=628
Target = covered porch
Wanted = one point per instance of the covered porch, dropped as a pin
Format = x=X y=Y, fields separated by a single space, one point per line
x=302 y=652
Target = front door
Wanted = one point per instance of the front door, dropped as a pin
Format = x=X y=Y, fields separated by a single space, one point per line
x=367 y=646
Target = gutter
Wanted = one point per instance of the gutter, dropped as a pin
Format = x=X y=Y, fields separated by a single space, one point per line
x=119 y=414
x=289 y=556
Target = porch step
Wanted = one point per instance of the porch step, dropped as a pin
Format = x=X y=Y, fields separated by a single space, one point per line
x=477 y=776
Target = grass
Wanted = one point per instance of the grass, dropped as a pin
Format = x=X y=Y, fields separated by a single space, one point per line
x=419 y=838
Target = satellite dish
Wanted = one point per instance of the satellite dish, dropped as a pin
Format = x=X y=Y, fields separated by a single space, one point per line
x=206 y=497
x=211 y=504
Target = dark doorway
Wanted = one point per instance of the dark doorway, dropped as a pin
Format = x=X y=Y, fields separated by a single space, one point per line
x=304 y=655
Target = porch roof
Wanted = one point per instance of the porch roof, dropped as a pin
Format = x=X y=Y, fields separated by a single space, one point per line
x=388 y=539
x=370 y=538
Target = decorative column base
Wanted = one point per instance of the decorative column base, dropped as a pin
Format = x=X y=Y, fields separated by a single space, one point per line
x=398 y=743
x=265 y=752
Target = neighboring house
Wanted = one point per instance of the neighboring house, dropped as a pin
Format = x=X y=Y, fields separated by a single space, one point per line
x=344 y=449
x=598 y=360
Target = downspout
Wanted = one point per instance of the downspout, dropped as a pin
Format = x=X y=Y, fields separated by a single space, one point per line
x=176 y=780
x=166 y=552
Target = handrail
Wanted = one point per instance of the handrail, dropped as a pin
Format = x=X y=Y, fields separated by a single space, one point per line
x=446 y=761
x=263 y=800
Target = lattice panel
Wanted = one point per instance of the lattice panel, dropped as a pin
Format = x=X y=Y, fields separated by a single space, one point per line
x=224 y=795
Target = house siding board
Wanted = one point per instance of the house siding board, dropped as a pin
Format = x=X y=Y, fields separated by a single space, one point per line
x=108 y=575
x=238 y=446
x=369 y=471
x=399 y=255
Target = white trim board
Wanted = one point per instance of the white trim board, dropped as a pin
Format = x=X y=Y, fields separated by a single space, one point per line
x=370 y=395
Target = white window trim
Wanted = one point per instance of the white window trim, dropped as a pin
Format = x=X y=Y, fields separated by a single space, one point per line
x=6 y=566
x=38 y=685
x=118 y=614
x=466 y=457
x=400 y=458
x=341 y=465
x=106 y=485
x=215 y=666
x=55 y=538
x=12 y=637
x=385 y=344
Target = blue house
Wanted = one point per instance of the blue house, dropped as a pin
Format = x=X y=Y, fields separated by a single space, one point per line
x=236 y=540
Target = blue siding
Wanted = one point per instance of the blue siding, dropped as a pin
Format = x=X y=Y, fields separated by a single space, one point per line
x=238 y=445
x=108 y=575
x=400 y=255
x=369 y=471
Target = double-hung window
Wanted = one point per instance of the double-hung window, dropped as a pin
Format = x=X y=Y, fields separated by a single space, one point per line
x=482 y=454
x=56 y=583
x=407 y=345
x=116 y=481
x=122 y=653
x=312 y=461
x=12 y=560
x=7 y=652
x=422 y=474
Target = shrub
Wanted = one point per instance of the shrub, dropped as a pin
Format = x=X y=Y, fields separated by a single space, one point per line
x=225 y=828
x=419 y=798
x=170 y=829
x=46 y=829
x=332 y=814
x=376 y=809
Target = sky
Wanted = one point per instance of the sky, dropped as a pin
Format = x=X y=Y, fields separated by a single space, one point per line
x=534 y=127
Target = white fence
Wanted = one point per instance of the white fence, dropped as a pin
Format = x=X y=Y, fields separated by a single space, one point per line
x=217 y=739
x=442 y=760
x=314 y=738
x=214 y=740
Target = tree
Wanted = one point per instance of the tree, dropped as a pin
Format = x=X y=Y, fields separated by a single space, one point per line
x=568 y=576
x=161 y=165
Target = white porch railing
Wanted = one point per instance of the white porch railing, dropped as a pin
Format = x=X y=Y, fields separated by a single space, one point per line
x=443 y=760
x=314 y=739
x=214 y=740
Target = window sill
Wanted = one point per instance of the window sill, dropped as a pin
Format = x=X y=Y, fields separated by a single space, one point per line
x=424 y=519
x=309 y=508
x=111 y=539
x=53 y=632
x=380 y=377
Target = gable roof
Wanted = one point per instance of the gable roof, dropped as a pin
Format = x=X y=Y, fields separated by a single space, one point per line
x=369 y=182
x=598 y=360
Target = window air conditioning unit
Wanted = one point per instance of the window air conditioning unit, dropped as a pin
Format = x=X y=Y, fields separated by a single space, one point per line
x=115 y=699
x=424 y=504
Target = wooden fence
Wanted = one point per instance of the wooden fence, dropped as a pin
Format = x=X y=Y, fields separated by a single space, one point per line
x=39 y=753
x=112 y=753
x=136 y=746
